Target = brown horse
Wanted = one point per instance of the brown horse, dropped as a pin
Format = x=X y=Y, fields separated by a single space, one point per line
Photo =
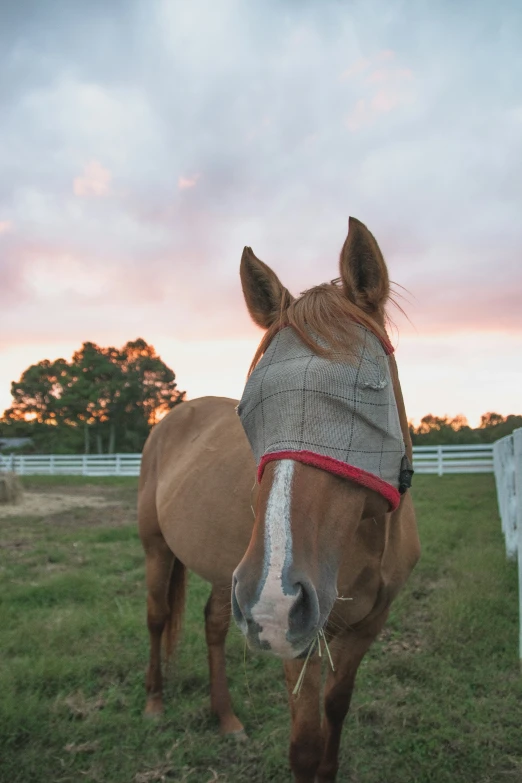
x=332 y=541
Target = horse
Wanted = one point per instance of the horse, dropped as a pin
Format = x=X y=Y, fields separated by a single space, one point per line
x=334 y=534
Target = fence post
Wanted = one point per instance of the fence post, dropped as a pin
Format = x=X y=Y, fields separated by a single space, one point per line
x=118 y=464
x=517 y=448
x=440 y=461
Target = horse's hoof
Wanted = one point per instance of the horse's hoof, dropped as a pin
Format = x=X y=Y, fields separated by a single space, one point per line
x=239 y=736
x=153 y=711
x=231 y=726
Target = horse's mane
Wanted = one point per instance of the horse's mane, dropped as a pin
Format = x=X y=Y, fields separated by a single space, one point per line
x=325 y=320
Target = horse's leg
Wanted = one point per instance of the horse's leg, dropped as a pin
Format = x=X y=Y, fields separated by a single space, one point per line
x=217 y=621
x=305 y=741
x=159 y=561
x=347 y=653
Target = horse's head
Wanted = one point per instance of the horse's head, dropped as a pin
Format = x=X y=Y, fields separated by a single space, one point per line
x=321 y=416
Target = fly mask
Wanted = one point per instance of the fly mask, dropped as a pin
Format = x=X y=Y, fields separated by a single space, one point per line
x=338 y=415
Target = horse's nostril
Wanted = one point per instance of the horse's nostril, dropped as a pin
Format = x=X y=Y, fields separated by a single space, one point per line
x=304 y=614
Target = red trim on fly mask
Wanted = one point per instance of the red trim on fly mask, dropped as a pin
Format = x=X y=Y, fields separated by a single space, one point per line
x=338 y=468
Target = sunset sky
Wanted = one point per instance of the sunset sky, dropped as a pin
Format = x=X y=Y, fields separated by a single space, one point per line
x=144 y=143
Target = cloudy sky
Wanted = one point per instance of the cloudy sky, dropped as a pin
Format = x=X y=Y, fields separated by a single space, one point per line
x=143 y=143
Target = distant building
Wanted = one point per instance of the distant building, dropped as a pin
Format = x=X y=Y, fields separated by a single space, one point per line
x=8 y=444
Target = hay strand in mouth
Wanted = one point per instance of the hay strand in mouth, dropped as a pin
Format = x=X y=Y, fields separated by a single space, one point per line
x=321 y=633
x=300 y=679
x=341 y=597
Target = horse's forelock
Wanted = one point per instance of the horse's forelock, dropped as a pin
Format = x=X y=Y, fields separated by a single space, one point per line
x=326 y=321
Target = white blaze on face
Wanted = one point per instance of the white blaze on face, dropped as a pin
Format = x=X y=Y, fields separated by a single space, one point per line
x=272 y=609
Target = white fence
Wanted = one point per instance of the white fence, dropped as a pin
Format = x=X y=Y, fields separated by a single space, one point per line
x=507 y=455
x=72 y=464
x=453 y=459
x=426 y=459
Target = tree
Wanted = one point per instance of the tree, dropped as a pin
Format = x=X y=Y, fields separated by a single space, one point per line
x=441 y=429
x=39 y=392
x=435 y=430
x=491 y=420
x=115 y=395
x=94 y=394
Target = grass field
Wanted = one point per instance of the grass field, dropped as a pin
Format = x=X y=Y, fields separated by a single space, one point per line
x=438 y=699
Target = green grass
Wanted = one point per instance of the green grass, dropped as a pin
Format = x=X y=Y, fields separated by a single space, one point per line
x=438 y=699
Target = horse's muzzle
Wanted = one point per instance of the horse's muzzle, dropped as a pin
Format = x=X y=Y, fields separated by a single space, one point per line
x=284 y=624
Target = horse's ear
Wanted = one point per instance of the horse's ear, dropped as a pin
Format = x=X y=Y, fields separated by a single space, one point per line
x=363 y=270
x=265 y=296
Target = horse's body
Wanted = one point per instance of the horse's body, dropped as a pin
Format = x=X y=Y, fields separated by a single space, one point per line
x=200 y=479
x=195 y=512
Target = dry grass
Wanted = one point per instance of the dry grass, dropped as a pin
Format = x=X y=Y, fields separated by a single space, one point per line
x=11 y=490
x=42 y=504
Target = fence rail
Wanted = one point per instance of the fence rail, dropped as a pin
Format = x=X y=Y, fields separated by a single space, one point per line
x=453 y=459
x=507 y=456
x=72 y=464
x=426 y=459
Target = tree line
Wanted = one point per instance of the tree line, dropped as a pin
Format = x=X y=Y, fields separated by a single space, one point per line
x=104 y=400
x=440 y=430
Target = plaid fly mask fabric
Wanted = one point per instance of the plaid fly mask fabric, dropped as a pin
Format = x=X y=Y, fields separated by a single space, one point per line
x=338 y=415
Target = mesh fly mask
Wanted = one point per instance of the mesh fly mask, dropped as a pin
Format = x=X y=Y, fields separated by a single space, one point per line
x=338 y=415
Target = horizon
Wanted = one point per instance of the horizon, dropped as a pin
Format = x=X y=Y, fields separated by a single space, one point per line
x=226 y=351
x=145 y=144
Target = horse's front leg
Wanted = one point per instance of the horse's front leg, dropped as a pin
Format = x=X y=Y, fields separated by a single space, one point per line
x=306 y=744
x=348 y=650
x=217 y=621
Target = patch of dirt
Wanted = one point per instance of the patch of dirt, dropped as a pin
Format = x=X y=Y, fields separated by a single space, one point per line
x=409 y=643
x=107 y=514
x=82 y=747
x=80 y=707
x=41 y=504
x=413 y=637
x=160 y=772
x=17 y=546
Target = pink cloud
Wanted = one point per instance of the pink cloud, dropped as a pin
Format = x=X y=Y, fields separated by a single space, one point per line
x=363 y=63
x=184 y=183
x=389 y=74
x=359 y=116
x=94 y=182
x=366 y=110
x=483 y=309
x=385 y=101
x=393 y=87
x=5 y=226
x=358 y=67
